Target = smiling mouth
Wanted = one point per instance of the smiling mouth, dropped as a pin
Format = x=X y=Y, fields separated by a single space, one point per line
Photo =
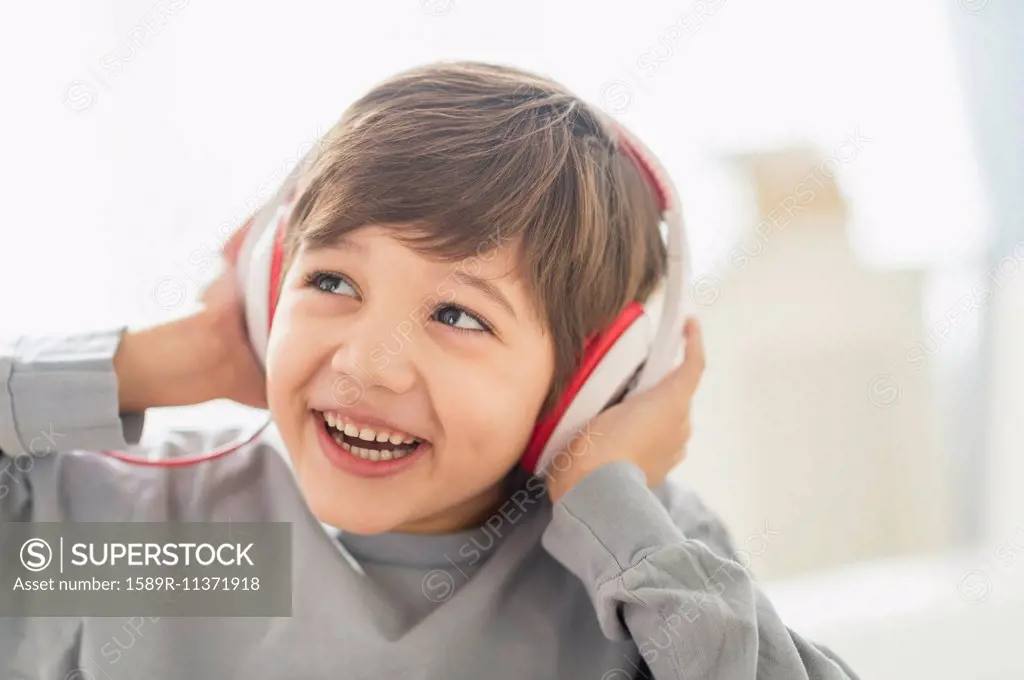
x=366 y=443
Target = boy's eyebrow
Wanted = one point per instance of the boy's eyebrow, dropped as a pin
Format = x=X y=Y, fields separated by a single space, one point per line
x=460 y=276
x=485 y=287
x=338 y=243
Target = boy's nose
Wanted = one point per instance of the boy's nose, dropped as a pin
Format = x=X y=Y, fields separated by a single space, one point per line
x=378 y=354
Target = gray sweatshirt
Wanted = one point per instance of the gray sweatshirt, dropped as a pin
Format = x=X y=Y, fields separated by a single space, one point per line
x=614 y=581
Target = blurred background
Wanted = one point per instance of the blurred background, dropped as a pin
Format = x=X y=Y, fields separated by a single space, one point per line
x=850 y=174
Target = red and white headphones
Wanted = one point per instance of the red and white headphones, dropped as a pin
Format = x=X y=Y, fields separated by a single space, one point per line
x=639 y=348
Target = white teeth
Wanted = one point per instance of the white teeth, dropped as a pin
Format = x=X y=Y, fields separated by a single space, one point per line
x=368 y=454
x=340 y=424
x=375 y=455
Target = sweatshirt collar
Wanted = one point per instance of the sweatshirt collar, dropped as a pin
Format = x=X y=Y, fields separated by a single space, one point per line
x=466 y=547
x=424 y=550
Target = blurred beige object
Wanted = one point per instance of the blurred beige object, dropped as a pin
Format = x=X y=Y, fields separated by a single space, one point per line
x=814 y=437
x=1004 y=511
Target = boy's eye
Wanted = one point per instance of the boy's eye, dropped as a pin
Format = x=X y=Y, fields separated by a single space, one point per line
x=330 y=283
x=452 y=316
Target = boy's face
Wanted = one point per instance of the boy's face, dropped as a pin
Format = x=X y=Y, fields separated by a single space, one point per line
x=370 y=330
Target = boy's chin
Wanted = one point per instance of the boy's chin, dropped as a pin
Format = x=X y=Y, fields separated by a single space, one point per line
x=354 y=520
x=363 y=515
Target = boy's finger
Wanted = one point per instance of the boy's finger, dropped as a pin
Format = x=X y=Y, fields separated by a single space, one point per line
x=234 y=244
x=693 y=363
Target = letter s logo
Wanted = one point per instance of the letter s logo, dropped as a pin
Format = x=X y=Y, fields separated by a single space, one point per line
x=36 y=554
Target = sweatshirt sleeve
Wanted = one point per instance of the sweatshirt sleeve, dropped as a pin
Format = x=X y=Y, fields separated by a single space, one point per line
x=61 y=395
x=58 y=408
x=668 y=577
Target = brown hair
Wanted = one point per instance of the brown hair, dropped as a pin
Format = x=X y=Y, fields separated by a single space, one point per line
x=465 y=155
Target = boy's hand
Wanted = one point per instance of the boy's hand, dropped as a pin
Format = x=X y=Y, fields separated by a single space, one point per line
x=650 y=429
x=200 y=357
x=240 y=376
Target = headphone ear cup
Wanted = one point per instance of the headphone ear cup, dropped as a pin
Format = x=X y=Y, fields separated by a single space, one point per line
x=260 y=257
x=610 y=362
x=256 y=277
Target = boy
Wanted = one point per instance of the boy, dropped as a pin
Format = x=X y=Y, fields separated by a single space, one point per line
x=398 y=570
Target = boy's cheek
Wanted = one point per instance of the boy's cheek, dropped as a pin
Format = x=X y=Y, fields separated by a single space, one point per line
x=473 y=459
x=488 y=417
x=295 y=352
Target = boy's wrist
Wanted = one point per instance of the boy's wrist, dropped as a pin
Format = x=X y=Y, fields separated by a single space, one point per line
x=171 y=364
x=561 y=481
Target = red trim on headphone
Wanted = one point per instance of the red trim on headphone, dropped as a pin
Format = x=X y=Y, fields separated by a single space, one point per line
x=276 y=264
x=594 y=350
x=648 y=172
